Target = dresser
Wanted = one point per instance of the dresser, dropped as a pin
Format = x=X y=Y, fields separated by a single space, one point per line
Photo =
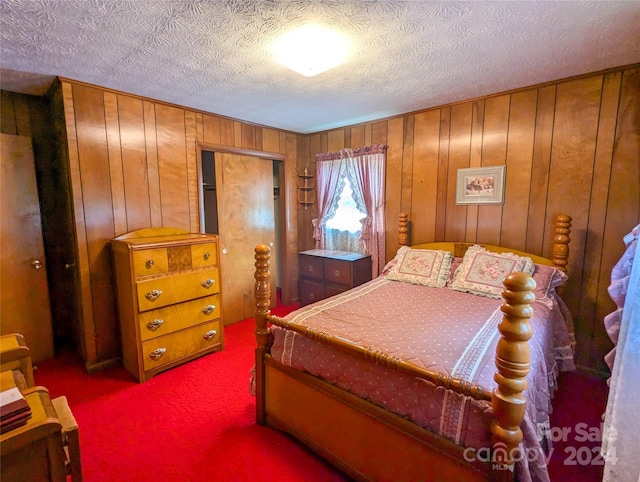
x=169 y=298
x=324 y=273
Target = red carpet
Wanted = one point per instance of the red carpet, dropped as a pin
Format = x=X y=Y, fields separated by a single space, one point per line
x=196 y=422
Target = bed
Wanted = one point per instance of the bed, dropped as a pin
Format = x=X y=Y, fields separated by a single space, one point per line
x=423 y=373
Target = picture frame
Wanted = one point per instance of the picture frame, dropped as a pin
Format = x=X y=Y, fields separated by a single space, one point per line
x=481 y=185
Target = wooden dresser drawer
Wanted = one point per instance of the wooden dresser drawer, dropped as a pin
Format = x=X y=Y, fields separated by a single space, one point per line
x=311 y=267
x=172 y=318
x=338 y=272
x=204 y=255
x=174 y=346
x=168 y=290
x=148 y=262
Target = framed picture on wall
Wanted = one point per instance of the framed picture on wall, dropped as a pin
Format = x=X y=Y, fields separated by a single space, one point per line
x=480 y=185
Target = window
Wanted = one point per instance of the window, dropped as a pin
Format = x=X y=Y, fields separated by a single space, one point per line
x=347 y=216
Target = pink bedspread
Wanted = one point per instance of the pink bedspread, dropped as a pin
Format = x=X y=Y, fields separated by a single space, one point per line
x=436 y=328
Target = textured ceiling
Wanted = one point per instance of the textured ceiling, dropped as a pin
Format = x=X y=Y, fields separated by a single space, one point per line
x=213 y=55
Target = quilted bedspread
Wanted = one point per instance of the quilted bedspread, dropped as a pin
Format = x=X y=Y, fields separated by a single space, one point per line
x=437 y=328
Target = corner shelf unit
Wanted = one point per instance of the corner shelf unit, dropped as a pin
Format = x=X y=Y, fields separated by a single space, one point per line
x=306 y=185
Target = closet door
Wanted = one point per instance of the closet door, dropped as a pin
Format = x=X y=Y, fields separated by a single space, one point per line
x=244 y=192
x=24 y=297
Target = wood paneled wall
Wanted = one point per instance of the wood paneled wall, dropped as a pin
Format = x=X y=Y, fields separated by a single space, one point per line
x=570 y=147
x=134 y=164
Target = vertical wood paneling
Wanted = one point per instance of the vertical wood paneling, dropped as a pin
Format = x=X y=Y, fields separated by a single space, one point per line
x=539 y=184
x=248 y=136
x=574 y=135
x=8 y=115
x=494 y=153
x=357 y=137
x=226 y=132
x=172 y=166
x=193 y=183
x=270 y=140
x=93 y=160
x=393 y=185
x=335 y=140
x=211 y=125
x=115 y=163
x=522 y=119
x=133 y=145
x=443 y=174
x=424 y=188
x=475 y=160
x=459 y=149
x=407 y=165
x=153 y=170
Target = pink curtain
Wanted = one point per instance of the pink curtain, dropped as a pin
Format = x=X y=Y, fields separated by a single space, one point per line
x=329 y=173
x=365 y=169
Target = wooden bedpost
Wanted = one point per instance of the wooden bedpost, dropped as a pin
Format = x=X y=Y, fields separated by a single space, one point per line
x=263 y=301
x=561 y=240
x=403 y=229
x=512 y=362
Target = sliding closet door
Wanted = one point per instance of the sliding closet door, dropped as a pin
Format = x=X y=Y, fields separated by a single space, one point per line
x=244 y=192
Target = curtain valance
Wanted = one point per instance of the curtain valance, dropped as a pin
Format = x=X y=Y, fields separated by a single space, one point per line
x=352 y=153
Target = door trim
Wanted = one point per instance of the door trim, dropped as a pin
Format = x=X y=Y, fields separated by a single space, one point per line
x=269 y=156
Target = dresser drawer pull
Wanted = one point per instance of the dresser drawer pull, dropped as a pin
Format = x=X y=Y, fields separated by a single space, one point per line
x=153 y=295
x=210 y=334
x=208 y=283
x=150 y=263
x=310 y=269
x=155 y=324
x=336 y=273
x=157 y=353
x=207 y=255
x=207 y=310
x=312 y=296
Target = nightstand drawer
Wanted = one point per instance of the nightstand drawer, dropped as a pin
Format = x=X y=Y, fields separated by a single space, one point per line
x=311 y=291
x=168 y=290
x=338 y=272
x=172 y=318
x=311 y=268
x=166 y=349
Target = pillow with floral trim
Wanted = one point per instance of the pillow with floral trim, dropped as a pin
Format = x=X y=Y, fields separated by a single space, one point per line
x=424 y=267
x=482 y=272
x=547 y=279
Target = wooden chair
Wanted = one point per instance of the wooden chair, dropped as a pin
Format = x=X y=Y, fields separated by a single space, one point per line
x=15 y=362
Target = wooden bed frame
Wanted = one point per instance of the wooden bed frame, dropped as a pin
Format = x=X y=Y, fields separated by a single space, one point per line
x=366 y=441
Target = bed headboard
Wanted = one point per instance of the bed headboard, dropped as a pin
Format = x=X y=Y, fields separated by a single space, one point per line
x=560 y=251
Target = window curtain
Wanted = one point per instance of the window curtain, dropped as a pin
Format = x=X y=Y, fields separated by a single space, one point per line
x=364 y=167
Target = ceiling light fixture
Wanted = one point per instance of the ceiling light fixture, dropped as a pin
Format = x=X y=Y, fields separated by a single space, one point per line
x=311 y=50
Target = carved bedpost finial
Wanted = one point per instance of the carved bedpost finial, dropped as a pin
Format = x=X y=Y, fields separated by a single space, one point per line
x=403 y=229
x=561 y=240
x=512 y=361
x=262 y=293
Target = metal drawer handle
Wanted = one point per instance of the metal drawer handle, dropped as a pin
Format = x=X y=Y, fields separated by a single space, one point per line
x=210 y=334
x=312 y=296
x=157 y=353
x=207 y=255
x=336 y=273
x=207 y=310
x=155 y=324
x=208 y=283
x=150 y=263
x=153 y=295
x=310 y=269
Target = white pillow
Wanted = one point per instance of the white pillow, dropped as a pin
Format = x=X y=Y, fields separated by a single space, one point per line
x=483 y=272
x=421 y=266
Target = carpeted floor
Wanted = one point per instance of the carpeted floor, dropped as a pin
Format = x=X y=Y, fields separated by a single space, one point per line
x=196 y=422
